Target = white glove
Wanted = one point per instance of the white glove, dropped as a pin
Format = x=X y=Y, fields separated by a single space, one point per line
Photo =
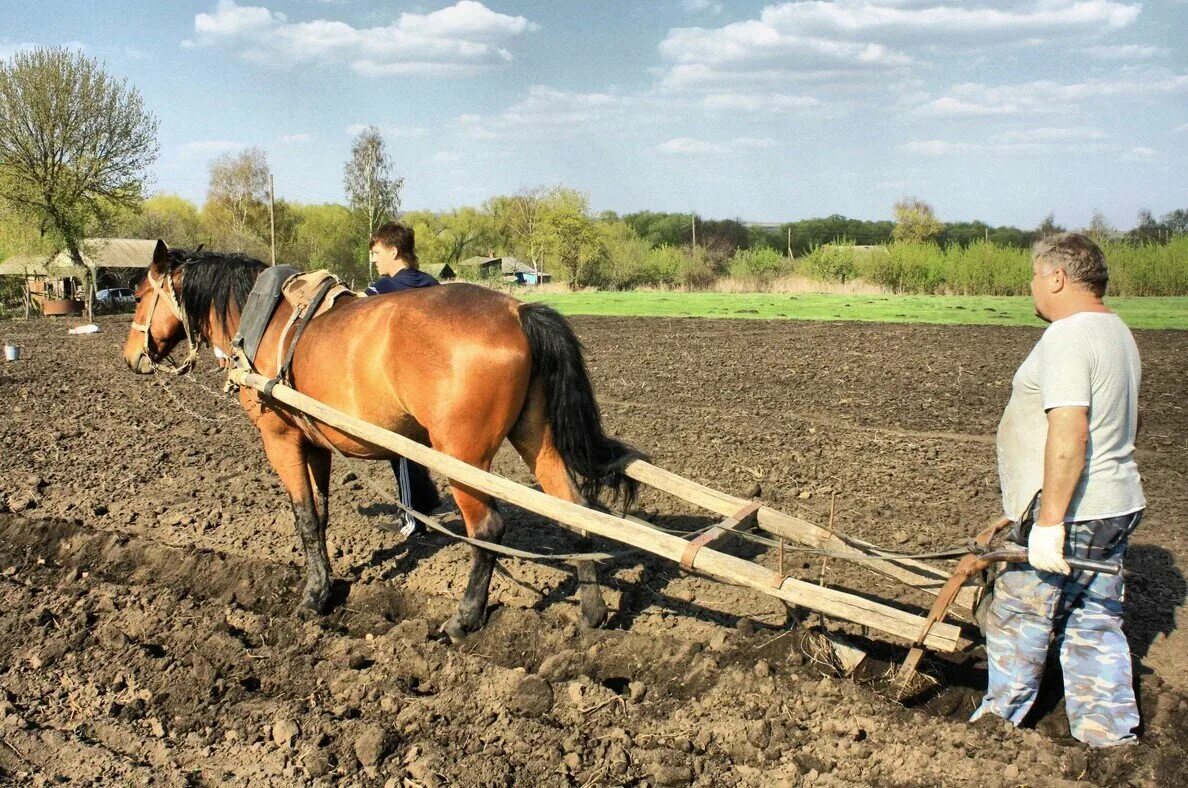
x=1045 y=548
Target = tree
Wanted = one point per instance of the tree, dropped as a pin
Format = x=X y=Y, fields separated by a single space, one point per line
x=173 y=219
x=371 y=188
x=236 y=209
x=1100 y=229
x=1176 y=222
x=1146 y=229
x=327 y=236
x=915 y=221
x=75 y=142
x=1048 y=226
x=518 y=219
x=463 y=229
x=569 y=238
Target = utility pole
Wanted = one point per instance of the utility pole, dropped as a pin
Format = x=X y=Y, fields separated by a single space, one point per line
x=789 y=242
x=694 y=221
x=272 y=214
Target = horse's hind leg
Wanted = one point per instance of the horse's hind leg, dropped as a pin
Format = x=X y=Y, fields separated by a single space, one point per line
x=482 y=522
x=303 y=468
x=533 y=439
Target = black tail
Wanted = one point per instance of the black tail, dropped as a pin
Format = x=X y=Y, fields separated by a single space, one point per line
x=594 y=458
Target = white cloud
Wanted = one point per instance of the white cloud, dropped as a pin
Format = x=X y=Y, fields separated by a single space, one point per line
x=230 y=19
x=1140 y=154
x=939 y=147
x=687 y=146
x=1182 y=128
x=949 y=23
x=1051 y=134
x=952 y=107
x=1045 y=140
x=211 y=147
x=1046 y=97
x=697 y=6
x=461 y=39
x=549 y=109
x=299 y=137
x=756 y=102
x=1126 y=52
x=395 y=132
x=847 y=40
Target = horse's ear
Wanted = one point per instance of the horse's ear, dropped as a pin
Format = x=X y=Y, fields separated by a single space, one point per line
x=160 y=257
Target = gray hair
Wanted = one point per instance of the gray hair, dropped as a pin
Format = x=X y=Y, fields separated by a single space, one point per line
x=1077 y=255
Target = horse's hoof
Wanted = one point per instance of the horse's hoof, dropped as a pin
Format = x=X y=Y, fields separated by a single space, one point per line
x=453 y=630
x=595 y=613
x=311 y=606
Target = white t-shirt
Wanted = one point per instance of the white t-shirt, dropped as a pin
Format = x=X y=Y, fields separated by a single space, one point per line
x=1087 y=359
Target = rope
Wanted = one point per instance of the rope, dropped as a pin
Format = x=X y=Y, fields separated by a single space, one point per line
x=870 y=552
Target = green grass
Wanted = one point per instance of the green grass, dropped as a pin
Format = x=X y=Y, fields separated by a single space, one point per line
x=956 y=310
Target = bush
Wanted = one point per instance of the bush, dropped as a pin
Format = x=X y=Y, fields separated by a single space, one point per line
x=1148 y=269
x=829 y=263
x=986 y=268
x=760 y=264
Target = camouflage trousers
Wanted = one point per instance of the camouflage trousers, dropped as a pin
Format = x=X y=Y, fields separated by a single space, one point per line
x=1081 y=614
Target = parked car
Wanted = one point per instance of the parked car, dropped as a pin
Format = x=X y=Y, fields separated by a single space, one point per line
x=115 y=296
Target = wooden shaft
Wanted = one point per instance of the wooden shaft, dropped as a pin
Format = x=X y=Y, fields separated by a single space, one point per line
x=728 y=568
x=913 y=573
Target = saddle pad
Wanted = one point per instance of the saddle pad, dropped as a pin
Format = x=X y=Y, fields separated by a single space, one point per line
x=261 y=305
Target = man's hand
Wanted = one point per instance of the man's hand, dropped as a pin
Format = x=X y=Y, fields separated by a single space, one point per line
x=1045 y=548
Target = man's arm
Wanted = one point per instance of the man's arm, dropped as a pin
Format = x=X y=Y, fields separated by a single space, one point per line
x=1064 y=461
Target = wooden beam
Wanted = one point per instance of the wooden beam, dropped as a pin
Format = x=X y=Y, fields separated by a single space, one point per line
x=913 y=573
x=720 y=566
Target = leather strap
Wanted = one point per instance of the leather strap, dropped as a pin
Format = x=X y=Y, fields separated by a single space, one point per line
x=740 y=520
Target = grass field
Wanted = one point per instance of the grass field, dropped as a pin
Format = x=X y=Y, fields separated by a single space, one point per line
x=967 y=310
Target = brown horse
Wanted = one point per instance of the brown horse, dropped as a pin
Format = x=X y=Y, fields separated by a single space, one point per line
x=457 y=367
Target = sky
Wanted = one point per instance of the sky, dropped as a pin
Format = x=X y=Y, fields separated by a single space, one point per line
x=1000 y=111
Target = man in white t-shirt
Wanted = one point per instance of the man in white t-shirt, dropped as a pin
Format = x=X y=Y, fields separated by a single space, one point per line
x=1069 y=431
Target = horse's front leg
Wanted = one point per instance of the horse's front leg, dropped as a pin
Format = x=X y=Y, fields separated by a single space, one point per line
x=301 y=469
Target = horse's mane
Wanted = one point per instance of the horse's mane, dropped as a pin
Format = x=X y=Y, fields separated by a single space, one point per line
x=211 y=283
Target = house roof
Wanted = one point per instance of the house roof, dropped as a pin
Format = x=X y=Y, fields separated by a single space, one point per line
x=96 y=253
x=114 y=253
x=512 y=265
x=437 y=270
x=24 y=265
x=477 y=262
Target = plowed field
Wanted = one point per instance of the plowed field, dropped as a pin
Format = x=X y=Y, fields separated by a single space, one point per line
x=148 y=570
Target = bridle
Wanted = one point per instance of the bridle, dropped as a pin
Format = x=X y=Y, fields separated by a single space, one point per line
x=164 y=289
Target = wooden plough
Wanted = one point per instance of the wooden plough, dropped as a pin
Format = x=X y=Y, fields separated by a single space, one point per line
x=698 y=555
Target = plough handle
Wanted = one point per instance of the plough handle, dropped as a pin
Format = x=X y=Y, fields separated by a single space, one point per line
x=1080 y=564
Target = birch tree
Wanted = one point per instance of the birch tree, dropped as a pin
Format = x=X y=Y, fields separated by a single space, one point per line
x=371 y=188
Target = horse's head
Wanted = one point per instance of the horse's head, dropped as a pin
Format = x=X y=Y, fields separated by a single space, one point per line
x=159 y=323
x=191 y=295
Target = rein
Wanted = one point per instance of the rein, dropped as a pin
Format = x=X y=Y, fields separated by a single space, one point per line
x=164 y=288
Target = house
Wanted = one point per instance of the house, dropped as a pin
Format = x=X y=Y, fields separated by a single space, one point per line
x=107 y=262
x=479 y=267
x=519 y=272
x=442 y=273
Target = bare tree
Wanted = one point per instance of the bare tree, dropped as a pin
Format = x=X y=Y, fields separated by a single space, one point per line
x=371 y=188
x=520 y=218
x=74 y=142
x=236 y=209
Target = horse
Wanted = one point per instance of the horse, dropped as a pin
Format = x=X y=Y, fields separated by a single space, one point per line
x=460 y=368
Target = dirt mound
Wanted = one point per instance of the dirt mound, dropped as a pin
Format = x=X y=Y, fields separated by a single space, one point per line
x=148 y=576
